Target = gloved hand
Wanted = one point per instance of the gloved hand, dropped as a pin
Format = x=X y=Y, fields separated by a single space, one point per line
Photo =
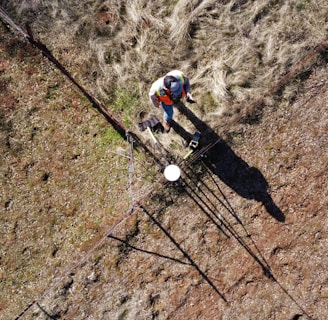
x=189 y=98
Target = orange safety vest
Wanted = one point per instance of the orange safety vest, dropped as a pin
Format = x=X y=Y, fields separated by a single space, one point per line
x=164 y=95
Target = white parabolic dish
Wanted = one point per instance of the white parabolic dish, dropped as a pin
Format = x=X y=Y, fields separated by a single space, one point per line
x=172 y=172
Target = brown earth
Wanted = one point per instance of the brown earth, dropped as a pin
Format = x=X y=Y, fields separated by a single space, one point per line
x=243 y=234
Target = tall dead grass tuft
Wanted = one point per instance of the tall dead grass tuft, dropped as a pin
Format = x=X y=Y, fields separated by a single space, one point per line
x=232 y=50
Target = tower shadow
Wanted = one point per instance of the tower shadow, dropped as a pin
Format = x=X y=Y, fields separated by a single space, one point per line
x=183 y=251
x=246 y=181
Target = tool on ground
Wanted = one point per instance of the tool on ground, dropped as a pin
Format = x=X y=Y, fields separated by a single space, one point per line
x=152 y=122
x=193 y=144
x=171 y=171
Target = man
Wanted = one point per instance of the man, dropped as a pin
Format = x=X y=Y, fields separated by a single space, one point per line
x=167 y=91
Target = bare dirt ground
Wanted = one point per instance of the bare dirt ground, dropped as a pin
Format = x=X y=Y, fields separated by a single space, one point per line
x=243 y=234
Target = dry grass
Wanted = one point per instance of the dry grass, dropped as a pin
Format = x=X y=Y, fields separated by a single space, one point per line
x=60 y=181
x=233 y=51
x=64 y=170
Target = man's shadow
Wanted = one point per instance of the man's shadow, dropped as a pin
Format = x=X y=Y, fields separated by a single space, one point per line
x=247 y=181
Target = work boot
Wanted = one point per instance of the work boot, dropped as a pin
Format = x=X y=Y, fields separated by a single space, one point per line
x=166 y=126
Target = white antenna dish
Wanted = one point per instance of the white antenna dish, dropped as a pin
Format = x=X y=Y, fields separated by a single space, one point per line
x=172 y=172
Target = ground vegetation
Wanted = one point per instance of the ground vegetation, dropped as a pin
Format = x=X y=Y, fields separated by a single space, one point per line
x=89 y=227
